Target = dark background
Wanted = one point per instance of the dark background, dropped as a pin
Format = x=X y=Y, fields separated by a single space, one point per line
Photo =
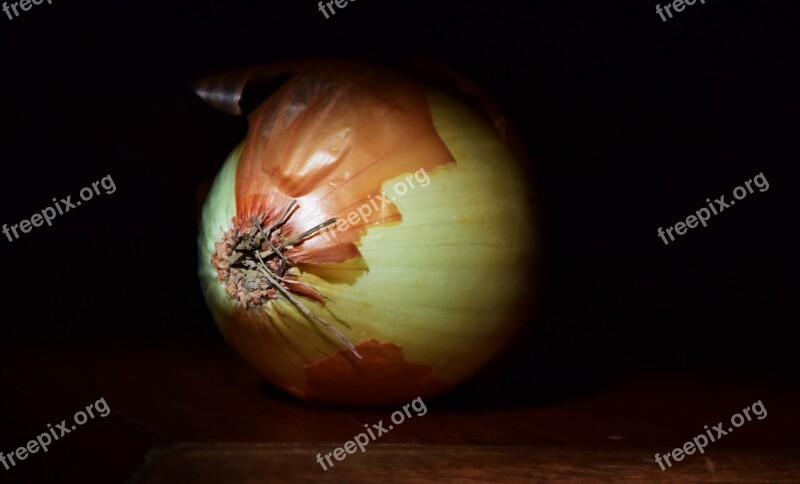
x=630 y=123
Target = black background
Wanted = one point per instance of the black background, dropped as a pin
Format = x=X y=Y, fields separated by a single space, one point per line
x=630 y=122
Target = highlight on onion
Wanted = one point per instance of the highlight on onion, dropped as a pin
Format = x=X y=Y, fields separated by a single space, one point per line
x=371 y=240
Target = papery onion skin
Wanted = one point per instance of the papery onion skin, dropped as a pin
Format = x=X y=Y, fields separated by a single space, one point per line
x=429 y=288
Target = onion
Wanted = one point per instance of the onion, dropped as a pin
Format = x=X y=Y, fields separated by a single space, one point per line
x=371 y=240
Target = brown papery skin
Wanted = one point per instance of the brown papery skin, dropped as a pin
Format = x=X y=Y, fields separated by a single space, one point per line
x=329 y=137
x=383 y=375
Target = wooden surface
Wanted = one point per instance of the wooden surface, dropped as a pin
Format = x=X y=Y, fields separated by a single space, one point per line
x=197 y=414
x=466 y=464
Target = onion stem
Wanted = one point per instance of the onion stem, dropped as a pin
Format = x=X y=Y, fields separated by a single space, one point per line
x=245 y=259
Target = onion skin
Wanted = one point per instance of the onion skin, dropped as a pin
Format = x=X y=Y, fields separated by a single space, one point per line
x=428 y=288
